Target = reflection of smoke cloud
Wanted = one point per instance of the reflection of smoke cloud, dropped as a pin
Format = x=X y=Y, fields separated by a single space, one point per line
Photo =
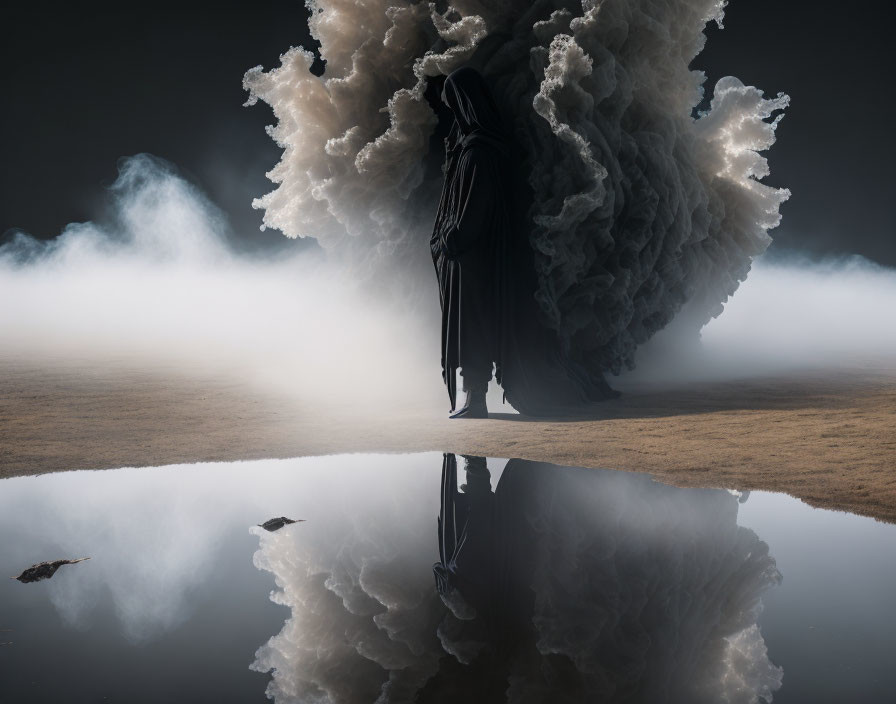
x=665 y=582
x=650 y=591
x=357 y=576
x=638 y=207
x=157 y=282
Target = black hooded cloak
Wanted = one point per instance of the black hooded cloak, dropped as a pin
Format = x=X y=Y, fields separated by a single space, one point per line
x=485 y=269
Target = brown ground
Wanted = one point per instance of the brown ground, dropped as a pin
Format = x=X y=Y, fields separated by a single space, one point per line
x=829 y=439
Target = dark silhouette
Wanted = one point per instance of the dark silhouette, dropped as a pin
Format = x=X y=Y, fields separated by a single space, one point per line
x=470 y=227
x=44 y=570
x=275 y=524
x=466 y=530
x=485 y=271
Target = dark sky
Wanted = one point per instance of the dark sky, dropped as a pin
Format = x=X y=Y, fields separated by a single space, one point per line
x=85 y=84
x=88 y=83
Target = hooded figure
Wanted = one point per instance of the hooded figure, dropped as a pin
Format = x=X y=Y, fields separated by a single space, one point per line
x=485 y=271
x=470 y=227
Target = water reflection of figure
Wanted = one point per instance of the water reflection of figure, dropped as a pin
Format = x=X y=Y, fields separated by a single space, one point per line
x=589 y=585
x=562 y=584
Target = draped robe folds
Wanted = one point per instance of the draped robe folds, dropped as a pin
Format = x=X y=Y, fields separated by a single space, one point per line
x=485 y=269
x=470 y=227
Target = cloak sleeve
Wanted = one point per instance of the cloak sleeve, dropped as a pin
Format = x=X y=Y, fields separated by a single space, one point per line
x=475 y=203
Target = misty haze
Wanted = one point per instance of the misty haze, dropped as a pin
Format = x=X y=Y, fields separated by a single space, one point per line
x=562 y=332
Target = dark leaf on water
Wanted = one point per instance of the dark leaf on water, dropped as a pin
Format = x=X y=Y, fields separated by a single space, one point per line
x=44 y=570
x=277 y=523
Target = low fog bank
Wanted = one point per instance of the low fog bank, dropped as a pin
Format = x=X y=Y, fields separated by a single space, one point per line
x=154 y=283
x=791 y=315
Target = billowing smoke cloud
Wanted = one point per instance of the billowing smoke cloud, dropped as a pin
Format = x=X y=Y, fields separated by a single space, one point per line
x=651 y=592
x=639 y=206
x=154 y=281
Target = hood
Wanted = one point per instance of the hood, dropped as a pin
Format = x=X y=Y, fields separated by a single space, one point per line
x=469 y=98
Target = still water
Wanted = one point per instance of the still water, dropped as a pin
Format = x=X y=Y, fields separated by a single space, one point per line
x=432 y=578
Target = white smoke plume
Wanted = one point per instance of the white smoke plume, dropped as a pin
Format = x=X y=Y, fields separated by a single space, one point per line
x=640 y=205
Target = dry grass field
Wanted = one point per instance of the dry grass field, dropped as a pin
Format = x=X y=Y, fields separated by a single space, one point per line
x=828 y=438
